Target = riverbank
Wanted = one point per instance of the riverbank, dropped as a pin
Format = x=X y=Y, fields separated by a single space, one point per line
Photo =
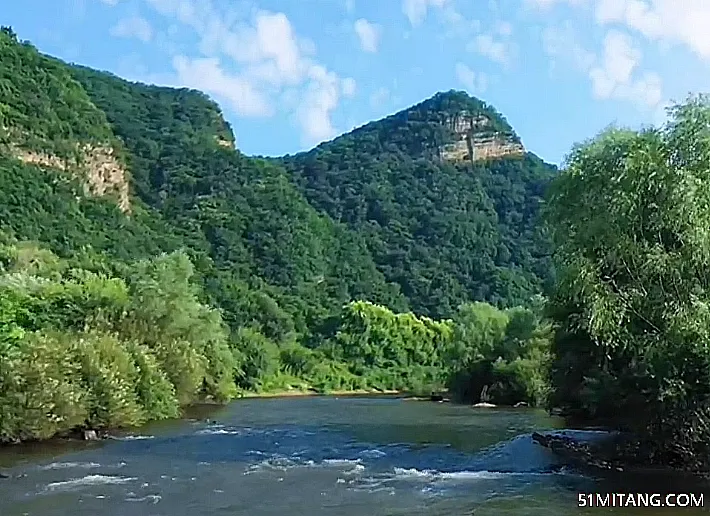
x=202 y=409
x=603 y=450
x=287 y=393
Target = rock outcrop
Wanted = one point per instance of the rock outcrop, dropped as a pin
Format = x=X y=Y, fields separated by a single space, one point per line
x=474 y=140
x=224 y=143
x=102 y=172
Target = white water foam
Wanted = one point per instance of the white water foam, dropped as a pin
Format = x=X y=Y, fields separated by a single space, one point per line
x=359 y=468
x=89 y=480
x=69 y=465
x=134 y=437
x=278 y=464
x=148 y=498
x=431 y=474
x=347 y=466
x=372 y=454
x=472 y=475
x=341 y=462
x=218 y=431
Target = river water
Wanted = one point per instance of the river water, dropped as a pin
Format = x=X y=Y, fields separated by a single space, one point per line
x=315 y=456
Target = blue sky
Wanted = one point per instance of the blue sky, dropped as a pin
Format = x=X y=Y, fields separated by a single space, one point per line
x=291 y=73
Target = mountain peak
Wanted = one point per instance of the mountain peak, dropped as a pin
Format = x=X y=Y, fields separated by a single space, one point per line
x=472 y=130
x=450 y=126
x=455 y=103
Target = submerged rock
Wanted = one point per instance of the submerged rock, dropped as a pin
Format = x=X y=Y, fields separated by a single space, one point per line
x=575 y=451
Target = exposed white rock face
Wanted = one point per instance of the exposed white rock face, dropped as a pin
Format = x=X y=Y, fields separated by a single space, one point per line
x=102 y=171
x=475 y=141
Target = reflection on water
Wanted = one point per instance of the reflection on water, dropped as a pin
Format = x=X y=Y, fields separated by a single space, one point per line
x=314 y=456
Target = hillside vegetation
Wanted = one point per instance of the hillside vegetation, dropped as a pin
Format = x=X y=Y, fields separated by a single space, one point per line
x=631 y=223
x=444 y=232
x=205 y=274
x=145 y=264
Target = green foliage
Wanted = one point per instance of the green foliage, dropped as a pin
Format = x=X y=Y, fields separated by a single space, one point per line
x=502 y=356
x=444 y=233
x=41 y=392
x=235 y=274
x=81 y=349
x=506 y=352
x=41 y=106
x=258 y=358
x=109 y=375
x=154 y=391
x=630 y=216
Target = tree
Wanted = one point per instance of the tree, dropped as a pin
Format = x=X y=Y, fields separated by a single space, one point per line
x=630 y=217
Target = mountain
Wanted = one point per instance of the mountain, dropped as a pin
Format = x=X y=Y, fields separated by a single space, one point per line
x=145 y=263
x=426 y=209
x=132 y=170
x=446 y=198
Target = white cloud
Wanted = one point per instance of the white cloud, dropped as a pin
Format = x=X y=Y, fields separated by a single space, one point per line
x=208 y=75
x=547 y=4
x=615 y=73
x=561 y=43
x=320 y=100
x=680 y=22
x=133 y=27
x=620 y=58
x=369 y=35
x=474 y=82
x=505 y=28
x=257 y=62
x=416 y=10
x=380 y=97
x=349 y=86
x=613 y=76
x=683 y=22
x=498 y=51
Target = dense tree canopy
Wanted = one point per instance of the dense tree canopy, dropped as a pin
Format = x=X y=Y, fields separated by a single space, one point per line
x=631 y=221
x=444 y=232
x=230 y=274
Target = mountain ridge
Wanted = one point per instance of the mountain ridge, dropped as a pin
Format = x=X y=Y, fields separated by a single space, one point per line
x=365 y=263
x=438 y=231
x=453 y=125
x=389 y=180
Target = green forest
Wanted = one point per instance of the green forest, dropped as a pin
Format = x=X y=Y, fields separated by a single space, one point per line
x=147 y=265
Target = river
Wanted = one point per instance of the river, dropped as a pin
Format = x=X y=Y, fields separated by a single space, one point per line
x=315 y=456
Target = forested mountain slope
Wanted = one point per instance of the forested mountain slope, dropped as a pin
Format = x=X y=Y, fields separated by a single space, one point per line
x=445 y=197
x=145 y=263
x=241 y=214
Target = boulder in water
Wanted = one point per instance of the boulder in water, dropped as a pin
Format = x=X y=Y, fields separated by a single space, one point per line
x=483 y=405
x=90 y=435
x=520 y=404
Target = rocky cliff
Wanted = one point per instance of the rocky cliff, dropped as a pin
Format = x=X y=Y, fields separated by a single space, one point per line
x=48 y=120
x=97 y=167
x=443 y=219
x=476 y=140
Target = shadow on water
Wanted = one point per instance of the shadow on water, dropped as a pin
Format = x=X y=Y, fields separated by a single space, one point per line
x=31 y=452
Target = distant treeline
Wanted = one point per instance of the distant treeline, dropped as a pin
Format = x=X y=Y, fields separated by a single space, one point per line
x=89 y=343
